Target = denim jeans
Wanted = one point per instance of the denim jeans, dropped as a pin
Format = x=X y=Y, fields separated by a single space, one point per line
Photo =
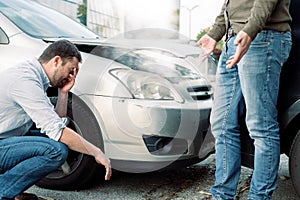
x=24 y=160
x=252 y=87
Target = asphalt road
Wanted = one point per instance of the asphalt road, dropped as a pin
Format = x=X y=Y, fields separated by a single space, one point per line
x=187 y=183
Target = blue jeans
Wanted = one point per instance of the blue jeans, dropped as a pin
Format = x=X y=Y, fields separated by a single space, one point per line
x=25 y=160
x=252 y=87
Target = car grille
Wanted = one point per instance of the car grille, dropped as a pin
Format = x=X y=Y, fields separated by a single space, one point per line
x=200 y=92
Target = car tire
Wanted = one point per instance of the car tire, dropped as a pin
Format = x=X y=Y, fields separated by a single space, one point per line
x=80 y=170
x=294 y=163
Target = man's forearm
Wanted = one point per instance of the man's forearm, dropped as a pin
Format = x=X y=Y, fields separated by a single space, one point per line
x=78 y=143
x=61 y=104
x=218 y=29
x=260 y=13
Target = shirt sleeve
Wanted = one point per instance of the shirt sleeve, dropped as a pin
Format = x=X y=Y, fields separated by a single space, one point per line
x=260 y=13
x=31 y=97
x=218 y=29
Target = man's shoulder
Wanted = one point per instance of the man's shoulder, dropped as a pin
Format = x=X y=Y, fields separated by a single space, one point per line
x=27 y=73
x=20 y=67
x=29 y=70
x=28 y=65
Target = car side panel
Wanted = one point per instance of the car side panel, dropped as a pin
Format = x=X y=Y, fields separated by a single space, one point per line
x=289 y=93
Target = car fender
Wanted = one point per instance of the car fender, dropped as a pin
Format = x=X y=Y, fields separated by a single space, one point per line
x=289 y=126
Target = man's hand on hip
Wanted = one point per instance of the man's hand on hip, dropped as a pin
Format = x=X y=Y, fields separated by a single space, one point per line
x=242 y=41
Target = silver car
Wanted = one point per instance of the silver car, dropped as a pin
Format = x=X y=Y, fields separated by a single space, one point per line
x=146 y=106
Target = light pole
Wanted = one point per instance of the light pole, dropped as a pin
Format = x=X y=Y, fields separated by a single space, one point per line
x=190 y=18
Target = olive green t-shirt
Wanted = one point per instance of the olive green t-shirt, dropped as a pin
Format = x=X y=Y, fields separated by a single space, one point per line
x=252 y=16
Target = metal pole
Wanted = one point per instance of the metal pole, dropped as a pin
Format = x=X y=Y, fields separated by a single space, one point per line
x=190 y=18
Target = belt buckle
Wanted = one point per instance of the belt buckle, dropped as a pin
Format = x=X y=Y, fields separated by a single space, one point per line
x=231 y=32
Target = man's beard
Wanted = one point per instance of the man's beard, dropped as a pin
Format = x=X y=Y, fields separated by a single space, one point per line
x=61 y=83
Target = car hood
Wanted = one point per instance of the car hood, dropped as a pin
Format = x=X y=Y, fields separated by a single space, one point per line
x=124 y=51
x=178 y=48
x=77 y=41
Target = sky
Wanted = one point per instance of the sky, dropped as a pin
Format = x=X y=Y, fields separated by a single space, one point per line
x=160 y=14
x=202 y=16
x=150 y=13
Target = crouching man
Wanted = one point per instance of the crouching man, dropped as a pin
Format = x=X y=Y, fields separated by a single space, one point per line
x=24 y=160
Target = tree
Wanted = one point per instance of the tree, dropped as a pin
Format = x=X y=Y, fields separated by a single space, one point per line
x=82 y=12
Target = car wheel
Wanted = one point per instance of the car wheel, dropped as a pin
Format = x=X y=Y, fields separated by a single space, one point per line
x=79 y=170
x=294 y=163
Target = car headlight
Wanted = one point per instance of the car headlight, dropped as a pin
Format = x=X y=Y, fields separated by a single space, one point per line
x=144 y=85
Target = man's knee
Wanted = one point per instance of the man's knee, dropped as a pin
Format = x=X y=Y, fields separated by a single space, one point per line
x=59 y=153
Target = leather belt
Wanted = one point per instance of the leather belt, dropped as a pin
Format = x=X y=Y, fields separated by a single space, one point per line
x=231 y=33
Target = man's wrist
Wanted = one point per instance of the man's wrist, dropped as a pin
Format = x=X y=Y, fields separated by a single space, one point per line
x=60 y=91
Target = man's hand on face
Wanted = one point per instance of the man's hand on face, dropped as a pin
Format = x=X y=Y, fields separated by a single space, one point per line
x=69 y=82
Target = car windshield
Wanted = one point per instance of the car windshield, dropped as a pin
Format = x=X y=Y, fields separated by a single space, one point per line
x=41 y=22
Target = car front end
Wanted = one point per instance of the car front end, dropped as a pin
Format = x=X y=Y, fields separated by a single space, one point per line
x=153 y=109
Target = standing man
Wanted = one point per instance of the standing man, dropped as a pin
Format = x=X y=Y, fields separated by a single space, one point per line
x=24 y=160
x=258 y=42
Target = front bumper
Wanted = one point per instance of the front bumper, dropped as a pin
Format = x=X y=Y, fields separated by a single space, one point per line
x=156 y=132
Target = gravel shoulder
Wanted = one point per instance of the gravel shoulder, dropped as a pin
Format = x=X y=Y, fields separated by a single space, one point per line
x=187 y=183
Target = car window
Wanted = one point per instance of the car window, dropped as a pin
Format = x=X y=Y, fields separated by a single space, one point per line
x=41 y=22
x=3 y=37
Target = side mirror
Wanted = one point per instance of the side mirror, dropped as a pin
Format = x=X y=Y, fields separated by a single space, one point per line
x=3 y=37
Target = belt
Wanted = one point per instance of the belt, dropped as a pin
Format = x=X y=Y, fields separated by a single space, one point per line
x=231 y=32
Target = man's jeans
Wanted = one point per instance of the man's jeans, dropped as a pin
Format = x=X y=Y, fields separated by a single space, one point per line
x=251 y=87
x=25 y=160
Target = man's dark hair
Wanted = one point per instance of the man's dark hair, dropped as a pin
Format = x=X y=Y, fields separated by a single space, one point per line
x=63 y=48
